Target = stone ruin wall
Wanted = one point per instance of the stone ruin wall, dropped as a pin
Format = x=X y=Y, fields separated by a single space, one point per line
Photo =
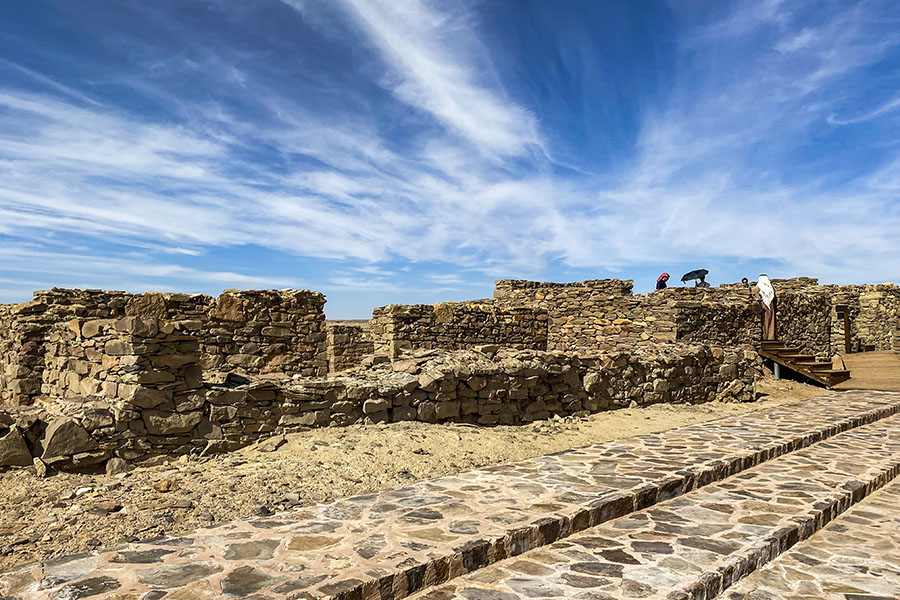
x=879 y=307
x=266 y=331
x=601 y=315
x=804 y=320
x=347 y=345
x=146 y=397
x=712 y=316
x=255 y=332
x=508 y=386
x=590 y=316
x=874 y=312
x=114 y=374
x=456 y=326
x=18 y=358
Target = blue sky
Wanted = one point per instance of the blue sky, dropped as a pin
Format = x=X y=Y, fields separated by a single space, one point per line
x=387 y=151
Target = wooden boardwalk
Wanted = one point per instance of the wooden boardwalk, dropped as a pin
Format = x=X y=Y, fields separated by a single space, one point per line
x=871 y=371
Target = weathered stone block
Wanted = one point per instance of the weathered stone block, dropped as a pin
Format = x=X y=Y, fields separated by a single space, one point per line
x=404 y=413
x=447 y=410
x=167 y=423
x=426 y=411
x=64 y=437
x=230 y=397
x=375 y=405
x=138 y=326
x=13 y=450
x=118 y=348
x=145 y=397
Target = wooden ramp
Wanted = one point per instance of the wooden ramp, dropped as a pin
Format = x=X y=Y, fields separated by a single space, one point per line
x=871 y=371
x=791 y=358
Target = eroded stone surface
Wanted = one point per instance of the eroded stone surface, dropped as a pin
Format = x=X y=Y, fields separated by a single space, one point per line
x=855 y=557
x=398 y=541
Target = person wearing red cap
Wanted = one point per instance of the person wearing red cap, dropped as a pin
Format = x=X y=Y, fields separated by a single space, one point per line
x=661 y=281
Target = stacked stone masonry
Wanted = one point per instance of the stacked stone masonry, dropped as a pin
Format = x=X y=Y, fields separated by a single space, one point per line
x=510 y=386
x=456 y=326
x=347 y=345
x=595 y=315
x=255 y=332
x=590 y=315
x=132 y=389
x=266 y=332
x=93 y=374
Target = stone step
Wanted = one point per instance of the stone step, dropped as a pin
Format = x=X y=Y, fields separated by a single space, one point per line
x=393 y=543
x=856 y=556
x=699 y=544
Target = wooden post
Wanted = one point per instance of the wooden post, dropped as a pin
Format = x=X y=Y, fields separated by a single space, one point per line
x=847 y=332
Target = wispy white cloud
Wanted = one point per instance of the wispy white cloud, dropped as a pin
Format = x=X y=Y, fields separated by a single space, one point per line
x=434 y=68
x=34 y=267
x=889 y=106
x=707 y=179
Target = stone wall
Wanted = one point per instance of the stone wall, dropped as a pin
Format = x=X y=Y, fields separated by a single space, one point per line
x=603 y=315
x=347 y=344
x=255 y=332
x=795 y=283
x=131 y=388
x=21 y=355
x=134 y=384
x=266 y=332
x=520 y=291
x=87 y=375
x=874 y=311
x=804 y=320
x=592 y=315
x=510 y=386
x=879 y=311
x=456 y=325
x=713 y=316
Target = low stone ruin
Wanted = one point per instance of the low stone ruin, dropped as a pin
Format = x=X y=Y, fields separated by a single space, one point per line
x=347 y=345
x=87 y=376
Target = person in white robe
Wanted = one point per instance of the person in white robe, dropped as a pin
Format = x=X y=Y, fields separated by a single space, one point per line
x=768 y=301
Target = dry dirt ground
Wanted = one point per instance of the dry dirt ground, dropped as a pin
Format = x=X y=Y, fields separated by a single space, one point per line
x=69 y=513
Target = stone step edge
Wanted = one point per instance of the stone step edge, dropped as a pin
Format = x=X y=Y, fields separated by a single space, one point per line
x=481 y=553
x=713 y=583
x=383 y=585
x=709 y=584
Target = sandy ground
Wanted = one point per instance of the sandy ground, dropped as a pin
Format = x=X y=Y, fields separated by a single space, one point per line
x=69 y=513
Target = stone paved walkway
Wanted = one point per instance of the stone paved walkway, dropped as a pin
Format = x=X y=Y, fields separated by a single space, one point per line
x=699 y=544
x=855 y=557
x=393 y=543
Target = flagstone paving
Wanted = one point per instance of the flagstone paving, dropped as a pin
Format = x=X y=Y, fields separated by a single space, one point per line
x=697 y=545
x=393 y=543
x=855 y=557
